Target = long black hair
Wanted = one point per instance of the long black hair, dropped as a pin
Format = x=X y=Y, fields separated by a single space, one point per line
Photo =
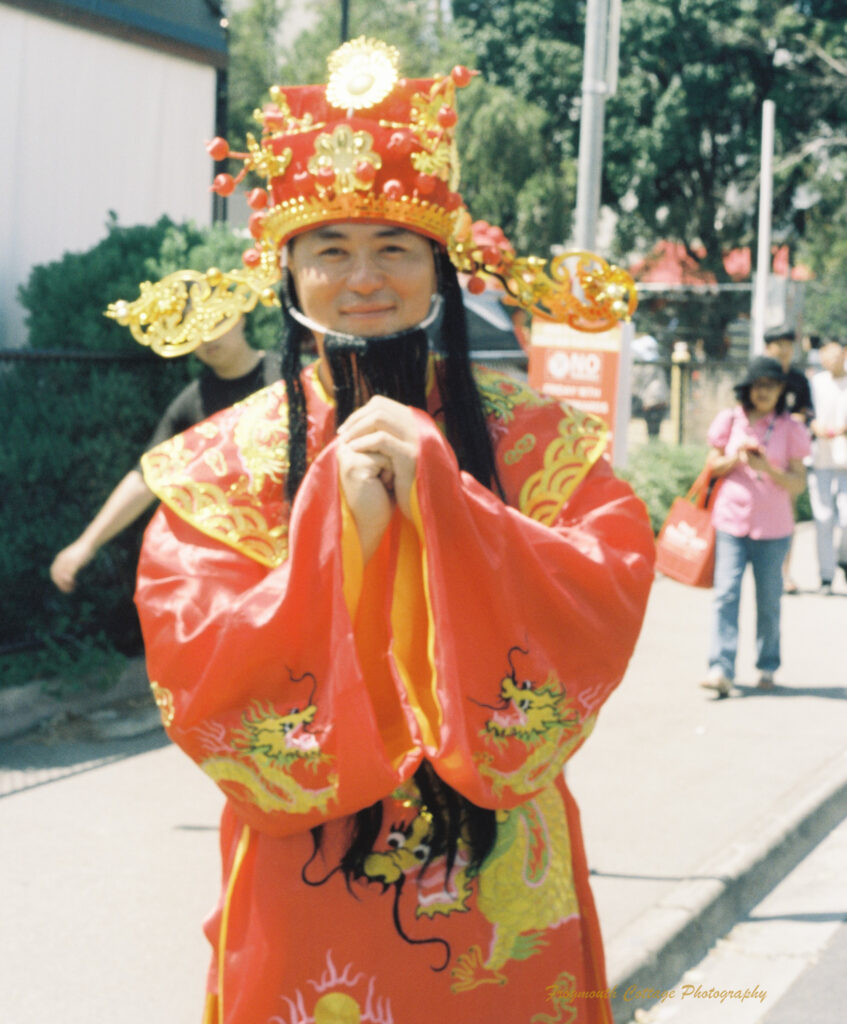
x=454 y=817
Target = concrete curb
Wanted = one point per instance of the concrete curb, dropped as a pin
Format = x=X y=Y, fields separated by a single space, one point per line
x=655 y=949
x=24 y=708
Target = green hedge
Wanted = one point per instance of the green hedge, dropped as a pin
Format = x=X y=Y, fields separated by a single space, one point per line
x=74 y=427
x=660 y=472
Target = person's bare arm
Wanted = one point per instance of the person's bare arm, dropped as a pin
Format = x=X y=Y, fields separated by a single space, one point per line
x=792 y=479
x=123 y=506
x=720 y=463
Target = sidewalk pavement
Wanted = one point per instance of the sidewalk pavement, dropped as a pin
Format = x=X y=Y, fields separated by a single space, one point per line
x=693 y=807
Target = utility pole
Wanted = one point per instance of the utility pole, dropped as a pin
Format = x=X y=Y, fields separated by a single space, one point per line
x=345 y=20
x=763 y=251
x=599 y=80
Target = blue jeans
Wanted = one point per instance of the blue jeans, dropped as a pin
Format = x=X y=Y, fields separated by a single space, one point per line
x=731 y=557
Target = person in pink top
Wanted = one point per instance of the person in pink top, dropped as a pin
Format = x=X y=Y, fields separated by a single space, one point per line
x=758 y=450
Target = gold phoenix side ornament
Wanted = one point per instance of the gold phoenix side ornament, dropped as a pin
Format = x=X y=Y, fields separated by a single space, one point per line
x=180 y=312
x=581 y=289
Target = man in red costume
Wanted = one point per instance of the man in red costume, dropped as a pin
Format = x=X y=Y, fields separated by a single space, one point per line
x=384 y=599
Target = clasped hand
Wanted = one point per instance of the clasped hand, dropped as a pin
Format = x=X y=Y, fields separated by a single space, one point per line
x=753 y=455
x=377 y=459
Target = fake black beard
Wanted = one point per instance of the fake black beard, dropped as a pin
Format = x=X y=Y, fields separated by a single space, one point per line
x=394 y=366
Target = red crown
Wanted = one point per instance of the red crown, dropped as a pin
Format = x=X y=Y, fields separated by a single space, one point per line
x=367 y=146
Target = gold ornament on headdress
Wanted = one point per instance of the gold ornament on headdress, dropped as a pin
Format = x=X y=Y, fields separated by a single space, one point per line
x=581 y=289
x=594 y=296
x=176 y=315
x=361 y=74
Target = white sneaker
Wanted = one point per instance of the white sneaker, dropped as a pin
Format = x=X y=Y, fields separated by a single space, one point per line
x=765 y=681
x=717 y=681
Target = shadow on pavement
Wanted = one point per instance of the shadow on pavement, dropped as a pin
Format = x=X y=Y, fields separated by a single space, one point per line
x=787 y=690
x=37 y=760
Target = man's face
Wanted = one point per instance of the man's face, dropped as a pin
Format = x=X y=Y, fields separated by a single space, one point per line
x=782 y=351
x=218 y=354
x=367 y=280
x=832 y=359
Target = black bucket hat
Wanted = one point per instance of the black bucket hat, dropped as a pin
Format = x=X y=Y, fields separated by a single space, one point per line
x=762 y=367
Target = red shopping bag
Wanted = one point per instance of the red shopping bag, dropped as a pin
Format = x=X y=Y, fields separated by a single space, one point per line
x=685 y=547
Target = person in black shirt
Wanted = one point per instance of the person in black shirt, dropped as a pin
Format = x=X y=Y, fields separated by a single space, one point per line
x=779 y=345
x=233 y=370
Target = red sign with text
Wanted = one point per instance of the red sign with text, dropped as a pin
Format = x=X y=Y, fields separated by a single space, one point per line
x=578 y=368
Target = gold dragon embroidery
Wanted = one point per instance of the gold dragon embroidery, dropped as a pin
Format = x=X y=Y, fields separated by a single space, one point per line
x=525 y=887
x=542 y=719
x=276 y=754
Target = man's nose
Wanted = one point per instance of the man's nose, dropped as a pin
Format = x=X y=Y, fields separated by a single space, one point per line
x=365 y=275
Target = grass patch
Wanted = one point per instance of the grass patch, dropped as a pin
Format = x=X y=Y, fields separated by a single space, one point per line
x=64 y=665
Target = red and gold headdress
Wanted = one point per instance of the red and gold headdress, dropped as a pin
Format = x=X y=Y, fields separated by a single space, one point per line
x=367 y=146
x=372 y=146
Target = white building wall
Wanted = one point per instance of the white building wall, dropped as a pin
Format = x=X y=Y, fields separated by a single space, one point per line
x=90 y=124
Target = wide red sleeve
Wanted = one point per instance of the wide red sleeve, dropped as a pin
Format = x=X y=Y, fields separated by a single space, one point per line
x=532 y=623
x=256 y=670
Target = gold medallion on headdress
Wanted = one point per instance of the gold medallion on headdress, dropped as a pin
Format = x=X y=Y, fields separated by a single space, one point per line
x=361 y=74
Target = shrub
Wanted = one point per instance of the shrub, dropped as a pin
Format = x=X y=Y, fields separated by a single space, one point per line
x=660 y=472
x=75 y=426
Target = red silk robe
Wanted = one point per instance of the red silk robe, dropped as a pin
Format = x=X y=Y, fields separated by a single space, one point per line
x=482 y=636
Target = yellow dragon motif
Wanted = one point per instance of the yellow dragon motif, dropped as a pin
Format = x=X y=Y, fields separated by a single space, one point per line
x=540 y=717
x=408 y=846
x=525 y=887
x=270 y=745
